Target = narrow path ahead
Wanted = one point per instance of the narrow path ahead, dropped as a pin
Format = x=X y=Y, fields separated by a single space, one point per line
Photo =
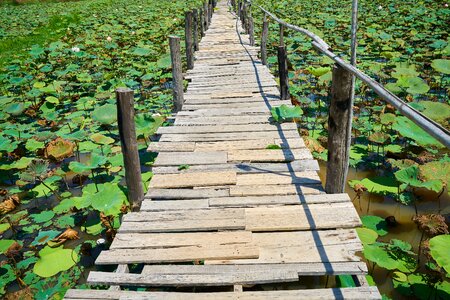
x=252 y=219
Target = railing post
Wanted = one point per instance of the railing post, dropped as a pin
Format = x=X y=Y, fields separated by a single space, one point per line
x=177 y=72
x=195 y=31
x=202 y=22
x=188 y=38
x=264 y=34
x=206 y=15
x=338 y=122
x=210 y=10
x=127 y=132
x=251 y=31
x=283 y=68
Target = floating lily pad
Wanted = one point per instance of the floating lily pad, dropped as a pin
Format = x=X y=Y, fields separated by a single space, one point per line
x=5 y=244
x=435 y=170
x=14 y=109
x=101 y=139
x=109 y=199
x=441 y=65
x=59 y=149
x=146 y=124
x=43 y=216
x=378 y=137
x=440 y=112
x=45 y=236
x=54 y=260
x=285 y=113
x=367 y=235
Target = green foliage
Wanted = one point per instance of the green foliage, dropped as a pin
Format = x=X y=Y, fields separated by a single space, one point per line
x=376 y=224
x=54 y=260
x=409 y=177
x=378 y=185
x=440 y=252
x=285 y=113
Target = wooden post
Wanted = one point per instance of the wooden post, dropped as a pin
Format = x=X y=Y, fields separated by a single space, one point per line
x=210 y=10
x=195 y=31
x=251 y=31
x=177 y=72
x=188 y=38
x=264 y=34
x=281 y=35
x=206 y=15
x=127 y=132
x=338 y=121
x=202 y=23
x=283 y=73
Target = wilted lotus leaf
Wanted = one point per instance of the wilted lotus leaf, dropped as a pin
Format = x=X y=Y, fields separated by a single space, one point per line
x=9 y=204
x=435 y=170
x=431 y=224
x=59 y=149
x=378 y=137
x=69 y=234
x=410 y=176
x=387 y=118
x=313 y=144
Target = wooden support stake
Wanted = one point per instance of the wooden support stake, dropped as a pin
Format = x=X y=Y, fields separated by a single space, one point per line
x=195 y=31
x=206 y=15
x=264 y=34
x=127 y=132
x=338 y=142
x=202 y=23
x=188 y=17
x=283 y=73
x=281 y=35
x=210 y=10
x=251 y=31
x=177 y=72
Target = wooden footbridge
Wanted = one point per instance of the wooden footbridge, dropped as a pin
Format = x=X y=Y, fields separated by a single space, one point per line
x=225 y=217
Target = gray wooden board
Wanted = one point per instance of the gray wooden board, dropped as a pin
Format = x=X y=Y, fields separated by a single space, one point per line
x=228 y=136
x=148 y=205
x=169 y=240
x=269 y=155
x=275 y=190
x=357 y=293
x=225 y=120
x=180 y=129
x=186 y=193
x=193 y=107
x=243 y=168
x=266 y=276
x=177 y=254
x=207 y=178
x=226 y=112
x=190 y=158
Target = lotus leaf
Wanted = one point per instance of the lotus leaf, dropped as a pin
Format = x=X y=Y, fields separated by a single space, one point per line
x=319 y=71
x=4 y=227
x=367 y=235
x=378 y=185
x=441 y=65
x=45 y=236
x=22 y=163
x=52 y=99
x=59 y=149
x=375 y=223
x=345 y=281
x=14 y=109
x=65 y=221
x=378 y=137
x=435 y=170
x=439 y=250
x=7 y=145
x=393 y=148
x=64 y=206
x=405 y=71
x=109 y=199
x=378 y=254
x=440 y=112
x=416 y=86
x=285 y=113
x=164 y=62
x=43 y=216
x=5 y=244
x=387 y=118
x=101 y=139
x=410 y=176
x=139 y=51
x=106 y=114
x=408 y=129
x=33 y=145
x=54 y=260
x=146 y=124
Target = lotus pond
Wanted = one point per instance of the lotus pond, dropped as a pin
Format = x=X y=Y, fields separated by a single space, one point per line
x=61 y=178
x=399 y=177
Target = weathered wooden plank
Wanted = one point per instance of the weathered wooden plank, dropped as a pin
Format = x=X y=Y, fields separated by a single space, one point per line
x=225 y=128
x=302 y=217
x=249 y=144
x=228 y=136
x=167 y=240
x=174 y=205
x=180 y=215
x=251 y=201
x=186 y=193
x=193 y=179
x=278 y=178
x=322 y=246
x=177 y=254
x=190 y=158
x=172 y=147
x=217 y=279
x=245 y=168
x=269 y=155
x=357 y=293
x=269 y=189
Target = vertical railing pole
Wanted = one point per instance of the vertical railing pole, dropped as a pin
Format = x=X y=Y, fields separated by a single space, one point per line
x=210 y=10
x=188 y=39
x=195 y=27
x=264 y=34
x=251 y=32
x=338 y=141
x=127 y=132
x=202 y=22
x=177 y=72
x=206 y=14
x=283 y=68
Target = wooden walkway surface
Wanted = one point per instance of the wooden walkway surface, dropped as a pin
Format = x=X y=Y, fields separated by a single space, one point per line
x=246 y=215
